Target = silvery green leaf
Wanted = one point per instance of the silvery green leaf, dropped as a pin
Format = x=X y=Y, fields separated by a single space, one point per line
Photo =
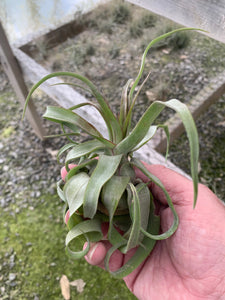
x=156 y=181
x=105 y=169
x=111 y=194
x=83 y=149
x=142 y=251
x=143 y=125
x=90 y=230
x=63 y=149
x=60 y=191
x=74 y=191
x=112 y=123
x=135 y=211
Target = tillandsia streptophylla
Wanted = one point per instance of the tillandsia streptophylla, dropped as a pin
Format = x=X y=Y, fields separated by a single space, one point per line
x=102 y=186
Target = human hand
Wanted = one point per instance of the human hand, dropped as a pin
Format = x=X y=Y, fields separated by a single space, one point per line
x=191 y=263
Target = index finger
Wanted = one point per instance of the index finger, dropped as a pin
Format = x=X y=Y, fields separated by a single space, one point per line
x=64 y=171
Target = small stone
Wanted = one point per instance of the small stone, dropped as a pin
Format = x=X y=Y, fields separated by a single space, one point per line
x=3 y=203
x=13 y=283
x=53 y=264
x=12 y=261
x=5 y=168
x=32 y=194
x=7 y=254
x=12 y=276
x=37 y=194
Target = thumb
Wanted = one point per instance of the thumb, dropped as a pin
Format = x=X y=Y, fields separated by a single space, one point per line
x=179 y=188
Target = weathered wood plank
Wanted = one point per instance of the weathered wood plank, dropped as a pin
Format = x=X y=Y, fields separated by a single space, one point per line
x=66 y=96
x=51 y=38
x=205 y=14
x=15 y=76
x=198 y=104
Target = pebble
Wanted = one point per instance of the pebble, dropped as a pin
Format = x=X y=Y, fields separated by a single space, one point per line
x=5 y=168
x=12 y=276
x=12 y=261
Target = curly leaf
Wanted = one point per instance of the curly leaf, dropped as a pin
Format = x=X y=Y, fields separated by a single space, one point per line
x=144 y=199
x=90 y=230
x=63 y=149
x=154 y=179
x=156 y=40
x=112 y=123
x=142 y=251
x=135 y=212
x=60 y=191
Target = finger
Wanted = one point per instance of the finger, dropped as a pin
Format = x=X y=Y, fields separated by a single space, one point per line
x=64 y=171
x=97 y=253
x=67 y=216
x=179 y=188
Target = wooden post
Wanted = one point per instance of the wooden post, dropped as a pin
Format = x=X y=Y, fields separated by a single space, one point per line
x=14 y=73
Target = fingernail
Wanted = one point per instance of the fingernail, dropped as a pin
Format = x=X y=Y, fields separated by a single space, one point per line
x=92 y=251
x=67 y=216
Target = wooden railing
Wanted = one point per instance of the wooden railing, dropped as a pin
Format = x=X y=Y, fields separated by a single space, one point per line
x=205 y=14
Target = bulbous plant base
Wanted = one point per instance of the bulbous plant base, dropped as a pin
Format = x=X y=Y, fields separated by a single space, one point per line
x=118 y=212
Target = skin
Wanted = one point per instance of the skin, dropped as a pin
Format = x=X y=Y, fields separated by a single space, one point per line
x=190 y=264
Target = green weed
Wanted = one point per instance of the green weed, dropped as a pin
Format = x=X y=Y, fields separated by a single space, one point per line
x=135 y=30
x=147 y=20
x=121 y=13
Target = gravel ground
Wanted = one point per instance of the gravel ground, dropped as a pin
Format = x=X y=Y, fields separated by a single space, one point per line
x=26 y=163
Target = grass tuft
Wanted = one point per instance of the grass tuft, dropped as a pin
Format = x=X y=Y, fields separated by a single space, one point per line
x=121 y=13
x=147 y=20
x=135 y=30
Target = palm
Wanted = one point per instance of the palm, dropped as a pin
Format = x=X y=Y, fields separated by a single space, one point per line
x=190 y=264
x=186 y=265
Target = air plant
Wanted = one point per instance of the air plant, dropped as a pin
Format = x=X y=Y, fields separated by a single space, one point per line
x=102 y=186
